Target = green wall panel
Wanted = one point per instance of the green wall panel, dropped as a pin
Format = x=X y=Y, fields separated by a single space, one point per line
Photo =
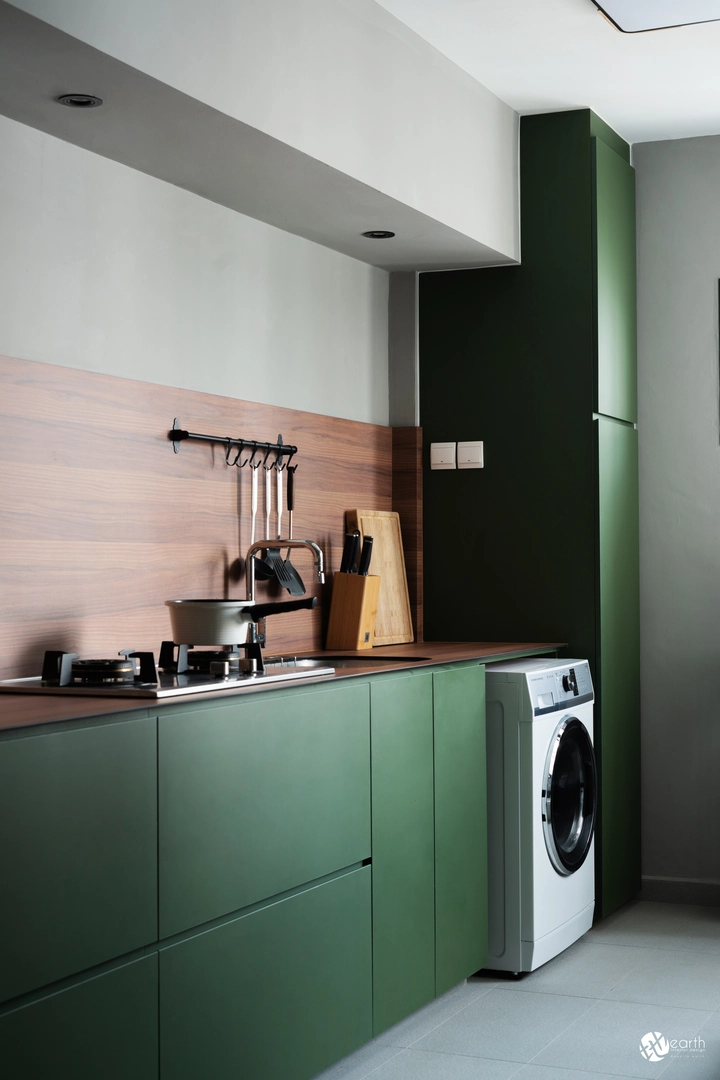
x=403 y=846
x=103 y=1029
x=278 y=994
x=616 y=289
x=259 y=797
x=506 y=355
x=618 y=686
x=460 y=825
x=78 y=850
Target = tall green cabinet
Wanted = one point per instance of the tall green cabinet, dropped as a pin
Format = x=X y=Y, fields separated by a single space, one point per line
x=539 y=361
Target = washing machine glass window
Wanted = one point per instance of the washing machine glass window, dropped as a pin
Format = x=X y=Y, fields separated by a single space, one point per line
x=569 y=796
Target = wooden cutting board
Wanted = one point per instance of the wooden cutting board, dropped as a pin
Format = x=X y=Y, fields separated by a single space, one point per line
x=394 y=620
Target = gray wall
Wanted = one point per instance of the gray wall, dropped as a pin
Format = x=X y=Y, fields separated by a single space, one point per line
x=109 y=270
x=678 y=196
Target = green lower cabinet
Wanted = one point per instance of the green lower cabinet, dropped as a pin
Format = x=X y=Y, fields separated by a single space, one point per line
x=277 y=994
x=260 y=796
x=105 y=1028
x=402 y=847
x=460 y=825
x=78 y=850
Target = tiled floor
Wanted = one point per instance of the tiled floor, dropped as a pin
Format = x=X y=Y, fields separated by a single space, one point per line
x=648 y=968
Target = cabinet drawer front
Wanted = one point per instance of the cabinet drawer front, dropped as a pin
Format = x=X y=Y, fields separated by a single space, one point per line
x=106 y=1027
x=260 y=797
x=403 y=848
x=460 y=825
x=78 y=850
x=278 y=994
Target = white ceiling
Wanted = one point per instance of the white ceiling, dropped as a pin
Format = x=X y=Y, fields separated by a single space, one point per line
x=540 y=55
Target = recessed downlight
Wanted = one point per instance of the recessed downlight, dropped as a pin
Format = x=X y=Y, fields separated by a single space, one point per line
x=378 y=234
x=80 y=101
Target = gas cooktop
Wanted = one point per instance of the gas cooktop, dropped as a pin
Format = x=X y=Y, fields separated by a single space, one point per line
x=182 y=670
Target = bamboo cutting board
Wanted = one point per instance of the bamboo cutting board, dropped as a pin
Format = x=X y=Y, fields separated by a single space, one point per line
x=393 y=624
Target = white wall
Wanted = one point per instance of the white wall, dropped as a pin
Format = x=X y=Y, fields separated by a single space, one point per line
x=678 y=186
x=109 y=270
x=340 y=80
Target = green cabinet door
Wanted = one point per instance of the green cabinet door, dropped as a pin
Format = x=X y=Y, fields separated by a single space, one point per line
x=460 y=825
x=618 y=691
x=616 y=304
x=402 y=847
x=258 y=797
x=78 y=850
x=105 y=1028
x=277 y=994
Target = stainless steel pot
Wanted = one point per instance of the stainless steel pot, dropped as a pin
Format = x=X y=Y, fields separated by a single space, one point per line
x=223 y=622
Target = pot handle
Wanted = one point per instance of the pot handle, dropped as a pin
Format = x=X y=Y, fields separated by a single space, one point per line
x=259 y=611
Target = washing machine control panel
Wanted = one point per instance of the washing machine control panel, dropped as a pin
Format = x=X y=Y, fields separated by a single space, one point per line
x=560 y=687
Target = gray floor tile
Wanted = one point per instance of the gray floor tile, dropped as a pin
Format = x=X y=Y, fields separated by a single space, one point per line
x=583 y=970
x=431 y=1016
x=424 y=1065
x=606 y=1038
x=357 y=1066
x=505 y=1025
x=542 y=1072
x=686 y=980
x=698 y=1062
x=661 y=926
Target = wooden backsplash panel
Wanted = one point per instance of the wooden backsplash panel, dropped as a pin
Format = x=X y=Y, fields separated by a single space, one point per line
x=100 y=522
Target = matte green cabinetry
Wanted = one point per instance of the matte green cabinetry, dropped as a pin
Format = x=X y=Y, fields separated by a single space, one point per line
x=259 y=796
x=278 y=994
x=105 y=1028
x=615 y=289
x=78 y=850
x=619 y=736
x=460 y=825
x=403 y=847
x=290 y=932
x=537 y=352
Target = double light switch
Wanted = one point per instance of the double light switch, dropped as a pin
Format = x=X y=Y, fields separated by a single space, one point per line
x=462 y=455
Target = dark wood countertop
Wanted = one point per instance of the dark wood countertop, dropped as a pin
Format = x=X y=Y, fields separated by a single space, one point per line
x=28 y=710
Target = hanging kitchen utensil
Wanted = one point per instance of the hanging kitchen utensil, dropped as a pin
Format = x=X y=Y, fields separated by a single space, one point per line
x=273 y=556
x=263 y=568
x=294 y=583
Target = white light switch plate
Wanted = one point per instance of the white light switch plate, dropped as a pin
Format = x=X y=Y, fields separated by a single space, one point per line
x=470 y=455
x=442 y=455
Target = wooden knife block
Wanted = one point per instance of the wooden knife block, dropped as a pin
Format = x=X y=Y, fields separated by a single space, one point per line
x=353 y=611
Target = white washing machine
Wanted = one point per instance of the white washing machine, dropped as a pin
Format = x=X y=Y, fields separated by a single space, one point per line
x=542 y=806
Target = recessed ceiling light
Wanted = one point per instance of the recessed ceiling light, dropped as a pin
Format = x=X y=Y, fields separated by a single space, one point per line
x=633 y=17
x=378 y=234
x=80 y=101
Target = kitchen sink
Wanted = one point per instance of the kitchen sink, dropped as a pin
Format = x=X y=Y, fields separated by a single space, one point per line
x=311 y=663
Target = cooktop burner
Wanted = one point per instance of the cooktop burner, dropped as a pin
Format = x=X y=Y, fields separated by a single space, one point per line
x=99 y=672
x=181 y=670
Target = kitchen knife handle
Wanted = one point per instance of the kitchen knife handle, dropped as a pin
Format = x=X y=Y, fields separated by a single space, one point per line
x=347 y=554
x=352 y=569
x=365 y=556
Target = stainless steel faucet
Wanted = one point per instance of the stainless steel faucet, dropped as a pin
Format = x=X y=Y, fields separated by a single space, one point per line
x=260 y=544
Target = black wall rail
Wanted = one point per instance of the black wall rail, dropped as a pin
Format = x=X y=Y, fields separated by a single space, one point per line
x=240 y=452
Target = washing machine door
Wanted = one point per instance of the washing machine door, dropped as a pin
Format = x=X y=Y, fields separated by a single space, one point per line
x=569 y=796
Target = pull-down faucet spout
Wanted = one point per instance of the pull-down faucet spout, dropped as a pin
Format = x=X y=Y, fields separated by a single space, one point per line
x=260 y=544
